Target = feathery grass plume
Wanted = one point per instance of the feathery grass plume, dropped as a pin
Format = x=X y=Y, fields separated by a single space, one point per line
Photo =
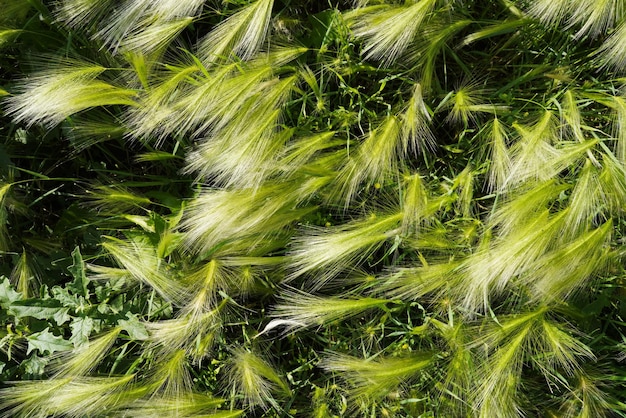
x=301 y=151
x=279 y=55
x=157 y=103
x=376 y=157
x=25 y=276
x=465 y=102
x=92 y=128
x=311 y=80
x=551 y=12
x=613 y=51
x=254 y=93
x=92 y=395
x=413 y=283
x=222 y=220
x=193 y=332
x=115 y=199
x=533 y=157
x=85 y=359
x=417 y=136
x=243 y=152
x=573 y=121
x=139 y=257
x=116 y=276
x=237 y=276
x=175 y=103
x=309 y=310
x=596 y=16
x=252 y=377
x=585 y=400
x=147 y=20
x=431 y=228
x=154 y=37
x=247 y=273
x=69 y=397
x=170 y=377
x=498 y=155
x=80 y=13
x=143 y=68
x=460 y=369
x=48 y=97
x=259 y=118
x=497 y=394
x=171 y=9
x=586 y=200
x=492 y=269
x=571 y=117
x=214 y=100
x=463 y=183
x=28 y=398
x=559 y=351
x=324 y=254
x=203 y=285
x=612 y=182
x=566 y=269
x=619 y=127
x=533 y=153
x=517 y=207
x=414 y=204
x=242 y=34
x=374 y=378
x=388 y=30
x=9 y=35
x=516 y=340
x=188 y=405
x=572 y=155
x=191 y=100
x=318 y=176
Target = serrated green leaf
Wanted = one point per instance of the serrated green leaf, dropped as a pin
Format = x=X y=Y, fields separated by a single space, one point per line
x=46 y=341
x=135 y=329
x=34 y=365
x=61 y=316
x=41 y=309
x=81 y=329
x=63 y=295
x=77 y=269
x=7 y=294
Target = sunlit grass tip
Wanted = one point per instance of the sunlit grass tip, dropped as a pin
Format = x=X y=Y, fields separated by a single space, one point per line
x=70 y=397
x=241 y=34
x=388 y=31
x=325 y=253
x=254 y=379
x=86 y=358
x=139 y=257
x=310 y=310
x=375 y=378
x=50 y=96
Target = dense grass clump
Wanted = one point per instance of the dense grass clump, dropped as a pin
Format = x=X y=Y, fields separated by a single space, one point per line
x=283 y=208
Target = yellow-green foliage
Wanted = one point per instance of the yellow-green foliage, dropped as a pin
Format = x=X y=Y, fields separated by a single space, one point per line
x=284 y=208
